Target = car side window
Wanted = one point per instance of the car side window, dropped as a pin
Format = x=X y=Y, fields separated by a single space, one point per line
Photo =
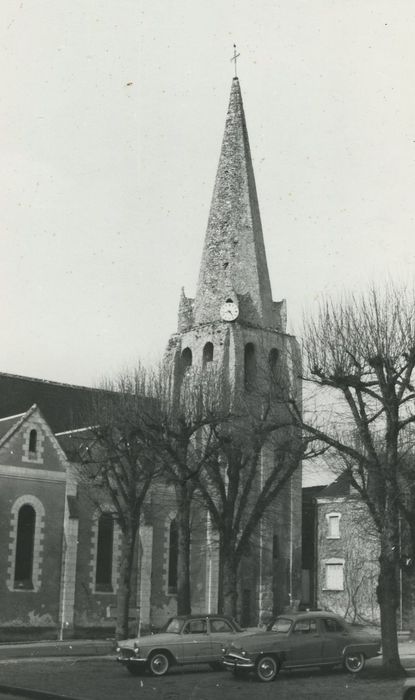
x=195 y=627
x=305 y=627
x=332 y=626
x=220 y=626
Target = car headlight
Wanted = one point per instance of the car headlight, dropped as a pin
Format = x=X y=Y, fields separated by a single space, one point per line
x=223 y=650
x=136 y=648
x=243 y=652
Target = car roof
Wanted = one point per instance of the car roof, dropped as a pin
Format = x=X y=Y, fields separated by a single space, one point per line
x=310 y=613
x=194 y=616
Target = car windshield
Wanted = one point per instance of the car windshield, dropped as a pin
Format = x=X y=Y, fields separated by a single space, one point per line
x=281 y=624
x=174 y=625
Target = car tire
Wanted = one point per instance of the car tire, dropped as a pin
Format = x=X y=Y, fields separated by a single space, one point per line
x=158 y=663
x=135 y=669
x=216 y=666
x=354 y=662
x=267 y=668
x=409 y=695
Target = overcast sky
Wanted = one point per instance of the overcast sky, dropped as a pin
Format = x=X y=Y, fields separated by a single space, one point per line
x=111 y=119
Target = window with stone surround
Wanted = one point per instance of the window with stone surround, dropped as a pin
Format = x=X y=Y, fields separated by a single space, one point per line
x=26 y=544
x=33 y=441
x=334 y=575
x=33 y=444
x=333 y=526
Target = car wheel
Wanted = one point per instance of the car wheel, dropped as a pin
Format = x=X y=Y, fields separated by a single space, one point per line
x=409 y=695
x=267 y=668
x=354 y=661
x=135 y=669
x=216 y=666
x=159 y=663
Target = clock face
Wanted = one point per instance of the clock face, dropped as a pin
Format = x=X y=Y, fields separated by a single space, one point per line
x=229 y=311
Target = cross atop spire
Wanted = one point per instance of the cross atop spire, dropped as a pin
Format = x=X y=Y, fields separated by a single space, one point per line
x=234 y=57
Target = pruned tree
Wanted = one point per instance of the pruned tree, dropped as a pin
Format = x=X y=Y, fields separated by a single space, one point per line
x=360 y=355
x=254 y=453
x=115 y=466
x=171 y=430
x=238 y=494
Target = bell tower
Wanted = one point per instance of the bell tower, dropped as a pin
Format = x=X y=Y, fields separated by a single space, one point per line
x=234 y=324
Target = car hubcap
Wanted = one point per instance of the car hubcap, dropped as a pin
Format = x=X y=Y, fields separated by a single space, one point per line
x=159 y=664
x=354 y=662
x=267 y=668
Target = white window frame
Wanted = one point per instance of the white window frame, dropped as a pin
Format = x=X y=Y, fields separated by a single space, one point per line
x=331 y=518
x=328 y=584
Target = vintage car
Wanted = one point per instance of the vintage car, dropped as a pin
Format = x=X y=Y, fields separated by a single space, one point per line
x=298 y=640
x=187 y=639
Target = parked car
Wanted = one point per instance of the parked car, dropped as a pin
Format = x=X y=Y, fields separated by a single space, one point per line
x=186 y=639
x=298 y=640
x=409 y=689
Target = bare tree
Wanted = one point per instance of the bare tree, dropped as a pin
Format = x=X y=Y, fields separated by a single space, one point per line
x=172 y=432
x=238 y=495
x=255 y=451
x=360 y=354
x=116 y=466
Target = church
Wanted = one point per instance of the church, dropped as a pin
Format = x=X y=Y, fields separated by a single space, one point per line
x=58 y=555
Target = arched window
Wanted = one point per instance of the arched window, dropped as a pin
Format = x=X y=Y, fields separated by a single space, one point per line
x=250 y=366
x=207 y=354
x=186 y=359
x=25 y=540
x=103 y=571
x=33 y=441
x=173 y=552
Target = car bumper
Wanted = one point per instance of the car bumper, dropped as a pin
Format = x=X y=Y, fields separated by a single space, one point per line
x=131 y=660
x=237 y=662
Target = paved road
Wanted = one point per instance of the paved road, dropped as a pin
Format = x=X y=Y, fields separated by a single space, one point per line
x=103 y=679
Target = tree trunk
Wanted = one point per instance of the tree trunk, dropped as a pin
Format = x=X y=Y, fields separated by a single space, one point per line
x=388 y=598
x=228 y=581
x=124 y=589
x=183 y=550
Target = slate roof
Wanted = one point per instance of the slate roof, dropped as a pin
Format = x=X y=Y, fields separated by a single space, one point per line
x=13 y=423
x=339 y=488
x=64 y=406
x=7 y=423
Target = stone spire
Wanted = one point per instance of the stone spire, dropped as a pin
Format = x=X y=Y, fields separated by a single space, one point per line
x=234 y=264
